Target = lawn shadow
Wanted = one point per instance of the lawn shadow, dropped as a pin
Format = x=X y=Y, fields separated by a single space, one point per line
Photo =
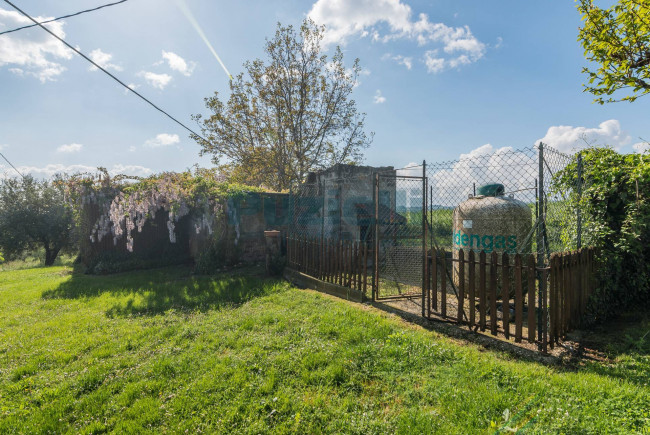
x=150 y=292
x=619 y=348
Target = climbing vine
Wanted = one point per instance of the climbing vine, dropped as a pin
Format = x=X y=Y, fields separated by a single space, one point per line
x=126 y=203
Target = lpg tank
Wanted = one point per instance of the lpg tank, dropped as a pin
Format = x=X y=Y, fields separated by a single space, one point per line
x=490 y=221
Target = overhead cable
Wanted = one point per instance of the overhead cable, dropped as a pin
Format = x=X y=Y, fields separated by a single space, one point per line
x=65 y=16
x=106 y=72
x=12 y=165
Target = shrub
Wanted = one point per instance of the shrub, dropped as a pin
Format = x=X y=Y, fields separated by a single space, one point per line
x=616 y=214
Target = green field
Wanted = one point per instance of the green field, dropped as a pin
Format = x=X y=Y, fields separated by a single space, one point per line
x=163 y=351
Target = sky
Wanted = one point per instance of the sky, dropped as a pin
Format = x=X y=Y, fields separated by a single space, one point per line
x=440 y=79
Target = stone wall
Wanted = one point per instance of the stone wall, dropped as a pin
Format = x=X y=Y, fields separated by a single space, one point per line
x=240 y=229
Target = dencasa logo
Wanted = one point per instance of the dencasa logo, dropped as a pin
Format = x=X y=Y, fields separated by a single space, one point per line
x=488 y=243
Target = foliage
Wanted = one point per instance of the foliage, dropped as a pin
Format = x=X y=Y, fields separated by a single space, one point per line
x=34 y=214
x=618 y=40
x=290 y=115
x=217 y=255
x=163 y=351
x=126 y=204
x=616 y=212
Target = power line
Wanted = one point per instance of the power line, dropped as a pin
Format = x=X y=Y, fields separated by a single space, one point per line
x=65 y=16
x=106 y=72
x=11 y=164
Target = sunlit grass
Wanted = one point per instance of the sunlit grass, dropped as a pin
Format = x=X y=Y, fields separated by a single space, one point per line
x=164 y=351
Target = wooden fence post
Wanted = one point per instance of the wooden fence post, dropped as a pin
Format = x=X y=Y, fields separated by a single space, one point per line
x=365 y=269
x=519 y=300
x=461 y=285
x=531 y=298
x=481 y=292
x=472 y=286
x=544 y=307
x=443 y=284
x=493 y=293
x=552 y=304
x=505 y=294
x=434 y=279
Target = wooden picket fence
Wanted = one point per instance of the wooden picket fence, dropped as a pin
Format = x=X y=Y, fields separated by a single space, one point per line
x=571 y=283
x=340 y=262
x=500 y=293
x=497 y=294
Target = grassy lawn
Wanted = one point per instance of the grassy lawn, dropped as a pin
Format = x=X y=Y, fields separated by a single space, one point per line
x=163 y=351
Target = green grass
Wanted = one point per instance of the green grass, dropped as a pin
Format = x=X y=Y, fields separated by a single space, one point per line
x=32 y=260
x=163 y=351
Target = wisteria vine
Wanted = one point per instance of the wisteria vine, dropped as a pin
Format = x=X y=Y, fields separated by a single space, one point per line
x=126 y=203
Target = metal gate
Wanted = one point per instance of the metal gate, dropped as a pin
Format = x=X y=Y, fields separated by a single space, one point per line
x=399 y=236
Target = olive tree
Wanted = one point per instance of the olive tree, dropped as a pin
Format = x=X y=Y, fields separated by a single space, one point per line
x=33 y=214
x=287 y=115
x=617 y=40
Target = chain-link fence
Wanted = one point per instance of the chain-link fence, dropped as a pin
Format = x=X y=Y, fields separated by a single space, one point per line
x=502 y=201
x=494 y=199
x=419 y=223
x=400 y=235
x=333 y=208
x=382 y=210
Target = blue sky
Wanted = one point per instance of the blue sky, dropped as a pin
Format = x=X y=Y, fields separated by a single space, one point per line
x=441 y=79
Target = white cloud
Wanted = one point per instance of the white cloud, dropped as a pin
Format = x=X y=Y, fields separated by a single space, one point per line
x=434 y=64
x=131 y=86
x=345 y=19
x=159 y=81
x=177 y=63
x=567 y=138
x=379 y=99
x=132 y=148
x=401 y=60
x=406 y=61
x=3 y=146
x=517 y=171
x=411 y=170
x=641 y=147
x=136 y=170
x=104 y=60
x=162 y=140
x=32 y=53
x=369 y=18
x=71 y=148
x=57 y=168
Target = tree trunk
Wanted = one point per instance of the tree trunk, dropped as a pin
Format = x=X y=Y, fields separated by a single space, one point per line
x=50 y=255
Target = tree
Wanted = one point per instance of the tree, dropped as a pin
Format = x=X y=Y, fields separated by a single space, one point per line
x=291 y=114
x=618 y=39
x=33 y=214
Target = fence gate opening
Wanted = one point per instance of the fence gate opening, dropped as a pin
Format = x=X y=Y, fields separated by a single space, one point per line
x=399 y=236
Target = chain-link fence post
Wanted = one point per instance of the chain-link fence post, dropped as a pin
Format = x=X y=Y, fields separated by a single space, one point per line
x=424 y=236
x=579 y=204
x=375 y=248
x=541 y=291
